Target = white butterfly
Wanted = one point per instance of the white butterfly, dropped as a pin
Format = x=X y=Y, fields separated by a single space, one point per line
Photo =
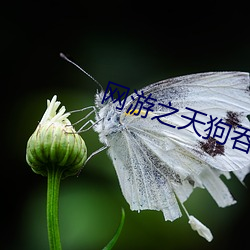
x=158 y=166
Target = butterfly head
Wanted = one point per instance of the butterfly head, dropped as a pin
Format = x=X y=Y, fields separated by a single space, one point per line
x=99 y=103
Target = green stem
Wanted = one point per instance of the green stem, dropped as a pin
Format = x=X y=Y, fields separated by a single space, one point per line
x=54 y=177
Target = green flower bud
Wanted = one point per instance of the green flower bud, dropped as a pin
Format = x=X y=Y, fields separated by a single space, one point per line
x=55 y=144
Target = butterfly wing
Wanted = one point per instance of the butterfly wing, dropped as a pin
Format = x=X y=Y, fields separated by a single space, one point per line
x=141 y=182
x=221 y=95
x=226 y=90
x=155 y=162
x=153 y=169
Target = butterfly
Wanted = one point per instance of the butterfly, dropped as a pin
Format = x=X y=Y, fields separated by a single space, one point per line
x=159 y=166
x=159 y=160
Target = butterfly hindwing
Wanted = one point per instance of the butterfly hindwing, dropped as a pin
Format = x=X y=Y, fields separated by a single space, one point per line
x=152 y=168
x=141 y=182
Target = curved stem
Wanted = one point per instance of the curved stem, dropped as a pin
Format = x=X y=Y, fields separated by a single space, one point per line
x=117 y=234
x=54 y=177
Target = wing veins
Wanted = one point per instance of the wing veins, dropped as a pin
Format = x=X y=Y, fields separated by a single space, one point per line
x=171 y=190
x=176 y=81
x=144 y=184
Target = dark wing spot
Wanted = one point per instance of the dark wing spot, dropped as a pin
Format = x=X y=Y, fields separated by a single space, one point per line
x=233 y=118
x=191 y=181
x=248 y=90
x=211 y=147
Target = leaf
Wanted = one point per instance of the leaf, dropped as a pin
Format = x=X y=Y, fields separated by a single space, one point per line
x=248 y=117
x=117 y=234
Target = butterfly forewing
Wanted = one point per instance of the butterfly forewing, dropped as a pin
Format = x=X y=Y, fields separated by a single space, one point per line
x=221 y=97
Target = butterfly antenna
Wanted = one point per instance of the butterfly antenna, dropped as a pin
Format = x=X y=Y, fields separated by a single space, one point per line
x=68 y=60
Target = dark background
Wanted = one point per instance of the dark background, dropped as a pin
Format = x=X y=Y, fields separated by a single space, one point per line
x=130 y=43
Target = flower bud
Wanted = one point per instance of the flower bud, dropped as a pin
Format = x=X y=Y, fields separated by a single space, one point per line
x=55 y=144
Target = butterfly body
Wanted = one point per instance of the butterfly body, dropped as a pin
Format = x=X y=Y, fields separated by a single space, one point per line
x=109 y=119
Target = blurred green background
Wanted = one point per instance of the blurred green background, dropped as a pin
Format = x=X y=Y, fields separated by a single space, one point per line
x=133 y=44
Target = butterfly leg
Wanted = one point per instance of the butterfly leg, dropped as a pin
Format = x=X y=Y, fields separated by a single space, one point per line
x=81 y=129
x=86 y=116
x=96 y=152
x=91 y=155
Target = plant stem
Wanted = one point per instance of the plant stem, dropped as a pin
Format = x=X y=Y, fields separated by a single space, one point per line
x=117 y=234
x=54 y=177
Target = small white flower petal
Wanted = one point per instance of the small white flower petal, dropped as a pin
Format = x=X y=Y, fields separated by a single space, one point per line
x=50 y=114
x=202 y=230
x=49 y=111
